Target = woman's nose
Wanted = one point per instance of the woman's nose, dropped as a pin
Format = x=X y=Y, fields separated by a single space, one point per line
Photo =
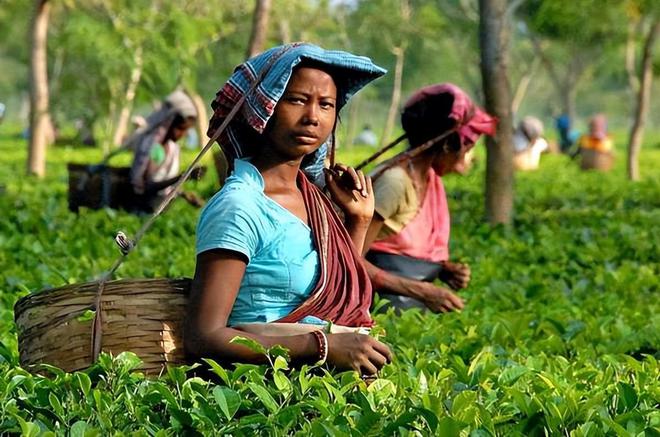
x=311 y=115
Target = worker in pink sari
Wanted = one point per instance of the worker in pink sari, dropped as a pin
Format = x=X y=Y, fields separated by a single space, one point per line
x=408 y=239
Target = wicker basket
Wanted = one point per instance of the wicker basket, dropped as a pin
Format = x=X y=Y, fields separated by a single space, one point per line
x=593 y=160
x=100 y=186
x=144 y=316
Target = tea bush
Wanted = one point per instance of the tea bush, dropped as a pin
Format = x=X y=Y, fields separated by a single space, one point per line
x=559 y=336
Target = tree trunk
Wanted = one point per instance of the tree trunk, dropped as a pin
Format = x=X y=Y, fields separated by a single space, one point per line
x=202 y=124
x=41 y=129
x=566 y=84
x=399 y=52
x=259 y=27
x=633 y=80
x=643 y=99
x=493 y=40
x=125 y=112
x=353 y=112
x=285 y=31
x=523 y=85
x=568 y=91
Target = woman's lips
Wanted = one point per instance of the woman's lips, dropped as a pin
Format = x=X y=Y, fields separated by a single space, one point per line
x=306 y=139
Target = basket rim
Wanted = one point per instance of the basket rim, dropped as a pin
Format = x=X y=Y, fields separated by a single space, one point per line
x=36 y=297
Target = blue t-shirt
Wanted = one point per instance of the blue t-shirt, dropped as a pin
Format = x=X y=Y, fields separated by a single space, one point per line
x=283 y=264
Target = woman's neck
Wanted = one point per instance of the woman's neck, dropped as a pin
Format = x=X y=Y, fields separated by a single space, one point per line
x=279 y=174
x=419 y=166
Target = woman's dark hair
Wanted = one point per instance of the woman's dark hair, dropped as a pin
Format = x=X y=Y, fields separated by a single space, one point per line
x=429 y=118
x=179 y=120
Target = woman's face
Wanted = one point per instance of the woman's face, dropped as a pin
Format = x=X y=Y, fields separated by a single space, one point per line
x=178 y=130
x=305 y=115
x=450 y=162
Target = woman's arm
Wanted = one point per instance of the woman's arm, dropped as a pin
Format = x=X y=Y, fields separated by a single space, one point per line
x=436 y=298
x=154 y=187
x=218 y=277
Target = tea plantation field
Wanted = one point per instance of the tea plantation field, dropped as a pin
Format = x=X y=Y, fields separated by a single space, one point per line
x=560 y=334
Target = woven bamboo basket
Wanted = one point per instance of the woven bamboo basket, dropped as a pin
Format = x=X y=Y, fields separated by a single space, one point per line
x=144 y=316
x=593 y=160
x=99 y=186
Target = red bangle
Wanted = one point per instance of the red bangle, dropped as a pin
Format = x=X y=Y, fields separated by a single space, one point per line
x=322 y=342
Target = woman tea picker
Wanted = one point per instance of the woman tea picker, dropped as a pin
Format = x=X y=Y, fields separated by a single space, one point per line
x=155 y=167
x=408 y=239
x=274 y=261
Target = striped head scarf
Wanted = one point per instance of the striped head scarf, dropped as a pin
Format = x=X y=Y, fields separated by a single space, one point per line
x=350 y=73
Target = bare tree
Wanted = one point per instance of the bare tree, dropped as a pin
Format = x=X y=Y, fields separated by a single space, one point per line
x=202 y=123
x=494 y=33
x=259 y=27
x=399 y=52
x=395 y=101
x=41 y=128
x=131 y=88
x=643 y=99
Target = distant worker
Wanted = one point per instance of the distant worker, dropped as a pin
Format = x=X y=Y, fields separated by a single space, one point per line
x=567 y=135
x=528 y=144
x=596 y=147
x=155 y=167
x=3 y=107
x=597 y=139
x=367 y=137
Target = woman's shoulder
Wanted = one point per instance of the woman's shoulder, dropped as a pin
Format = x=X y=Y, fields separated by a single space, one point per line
x=232 y=220
x=393 y=179
x=395 y=172
x=235 y=198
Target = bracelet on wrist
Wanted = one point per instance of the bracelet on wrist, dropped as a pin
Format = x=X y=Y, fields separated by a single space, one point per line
x=322 y=342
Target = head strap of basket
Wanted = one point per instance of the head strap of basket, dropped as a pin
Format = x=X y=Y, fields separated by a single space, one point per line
x=127 y=245
x=431 y=115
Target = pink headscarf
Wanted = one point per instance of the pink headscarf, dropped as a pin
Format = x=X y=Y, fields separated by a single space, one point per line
x=425 y=108
x=598 y=126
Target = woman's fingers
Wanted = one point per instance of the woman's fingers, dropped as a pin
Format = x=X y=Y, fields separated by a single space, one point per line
x=354 y=179
x=455 y=301
x=383 y=350
x=377 y=359
x=367 y=368
x=363 y=183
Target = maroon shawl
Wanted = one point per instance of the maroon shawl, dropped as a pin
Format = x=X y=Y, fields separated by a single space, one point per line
x=343 y=293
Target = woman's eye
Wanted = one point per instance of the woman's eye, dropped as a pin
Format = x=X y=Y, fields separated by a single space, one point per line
x=296 y=100
x=327 y=105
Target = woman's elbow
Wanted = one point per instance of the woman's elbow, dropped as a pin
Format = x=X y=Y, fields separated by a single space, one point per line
x=196 y=341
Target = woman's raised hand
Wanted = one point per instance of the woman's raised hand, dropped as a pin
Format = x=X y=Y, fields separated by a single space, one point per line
x=359 y=352
x=352 y=191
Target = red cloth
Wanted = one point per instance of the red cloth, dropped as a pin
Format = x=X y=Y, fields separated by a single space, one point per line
x=427 y=235
x=343 y=294
x=472 y=122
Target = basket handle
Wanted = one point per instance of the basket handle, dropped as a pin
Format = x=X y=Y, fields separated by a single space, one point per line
x=408 y=154
x=129 y=246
